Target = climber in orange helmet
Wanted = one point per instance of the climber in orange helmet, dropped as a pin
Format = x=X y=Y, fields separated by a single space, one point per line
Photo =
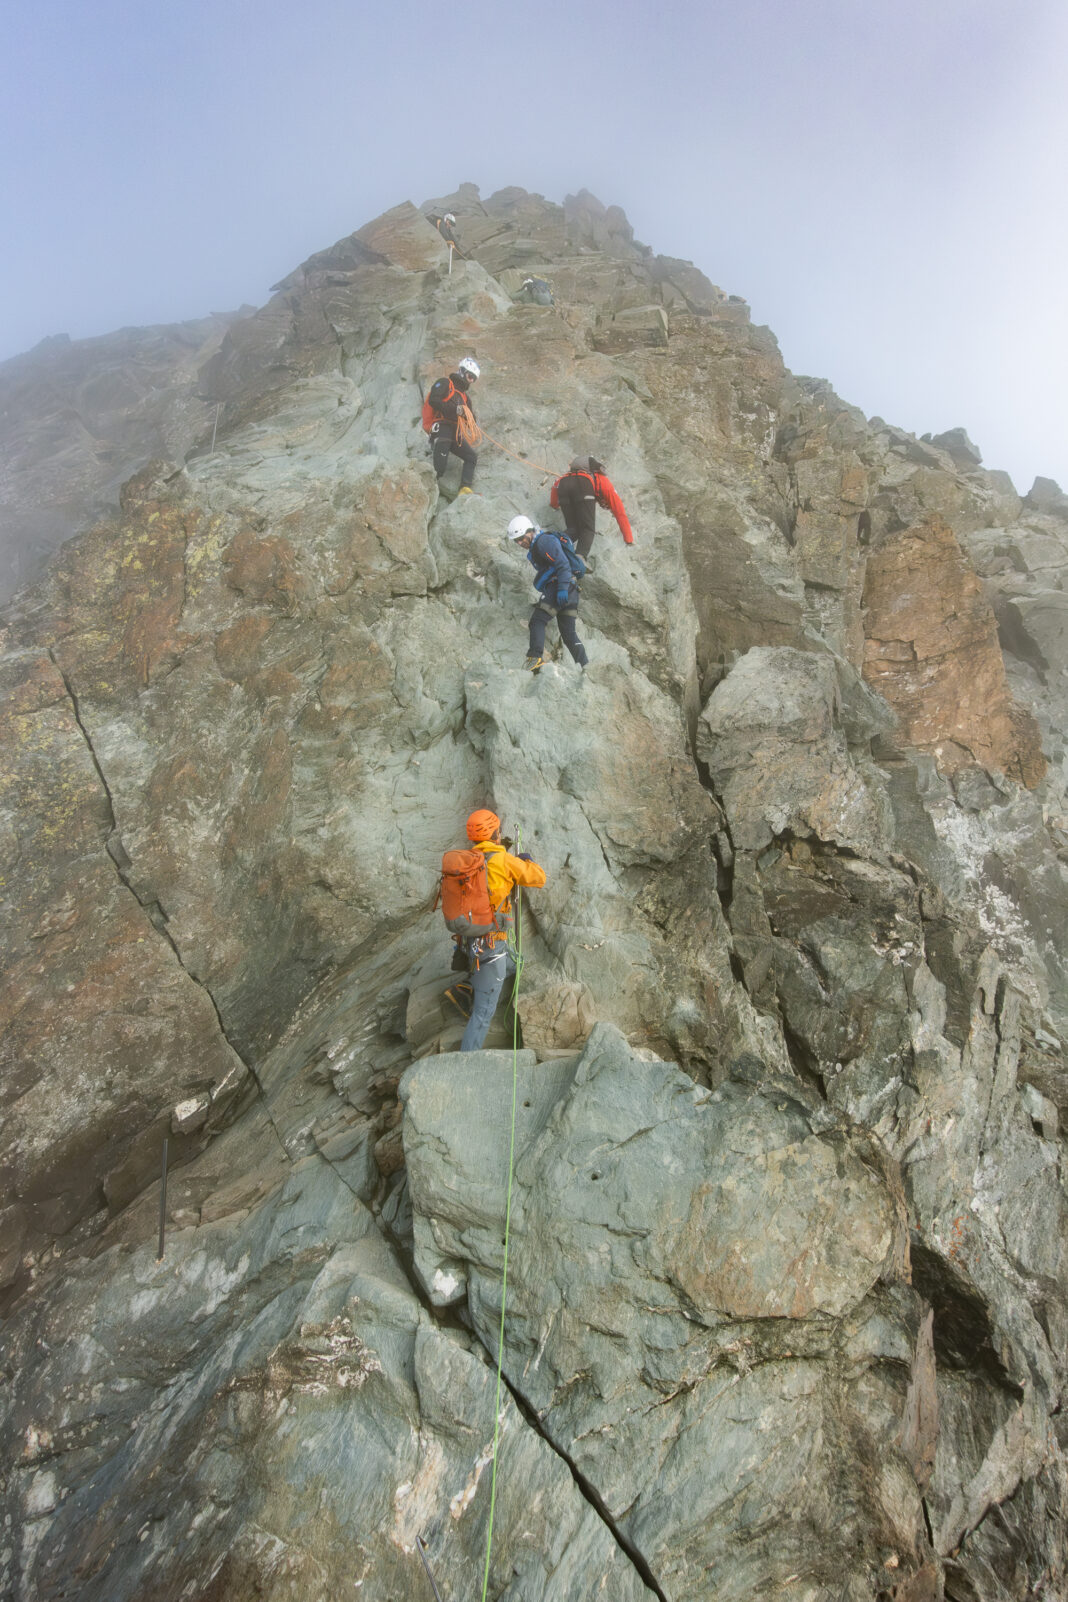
x=495 y=961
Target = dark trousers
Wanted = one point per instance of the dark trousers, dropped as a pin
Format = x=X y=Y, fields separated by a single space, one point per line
x=580 y=512
x=446 y=444
x=567 y=622
x=583 y=540
x=579 y=531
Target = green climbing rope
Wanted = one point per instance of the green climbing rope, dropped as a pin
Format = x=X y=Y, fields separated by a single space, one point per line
x=507 y=1215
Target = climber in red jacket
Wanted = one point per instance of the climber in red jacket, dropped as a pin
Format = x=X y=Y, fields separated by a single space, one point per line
x=579 y=493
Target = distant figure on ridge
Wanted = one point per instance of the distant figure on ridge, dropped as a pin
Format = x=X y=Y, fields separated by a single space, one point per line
x=536 y=292
x=578 y=494
x=475 y=900
x=557 y=572
x=444 y=410
x=445 y=227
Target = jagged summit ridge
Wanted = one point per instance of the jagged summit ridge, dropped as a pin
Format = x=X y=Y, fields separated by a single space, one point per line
x=788 y=1190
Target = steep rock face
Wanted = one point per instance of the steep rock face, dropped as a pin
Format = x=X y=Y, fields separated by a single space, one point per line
x=932 y=653
x=256 y=1328
x=245 y=715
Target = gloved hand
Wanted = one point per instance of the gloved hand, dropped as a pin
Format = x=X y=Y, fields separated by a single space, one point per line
x=525 y=856
x=561 y=597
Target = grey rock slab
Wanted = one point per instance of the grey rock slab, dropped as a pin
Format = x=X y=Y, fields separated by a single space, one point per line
x=772 y=736
x=472 y=1091
x=955 y=442
x=1046 y=495
x=651 y=1223
x=1035 y=628
x=173 y=1433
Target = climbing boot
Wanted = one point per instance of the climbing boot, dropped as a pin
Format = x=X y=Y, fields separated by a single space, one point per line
x=461 y=995
x=534 y=663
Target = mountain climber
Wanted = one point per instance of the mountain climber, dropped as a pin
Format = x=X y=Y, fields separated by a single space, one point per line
x=447 y=400
x=557 y=572
x=494 y=963
x=578 y=494
x=446 y=226
x=536 y=292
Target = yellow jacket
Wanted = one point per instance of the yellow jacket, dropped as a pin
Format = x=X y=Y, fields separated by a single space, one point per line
x=503 y=872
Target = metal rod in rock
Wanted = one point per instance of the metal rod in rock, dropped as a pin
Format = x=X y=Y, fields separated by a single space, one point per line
x=162 y=1203
x=419 y=1543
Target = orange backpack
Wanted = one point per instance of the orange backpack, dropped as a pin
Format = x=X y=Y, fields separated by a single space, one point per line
x=430 y=413
x=464 y=895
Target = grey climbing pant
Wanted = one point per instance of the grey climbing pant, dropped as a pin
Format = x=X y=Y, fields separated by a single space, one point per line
x=487 y=981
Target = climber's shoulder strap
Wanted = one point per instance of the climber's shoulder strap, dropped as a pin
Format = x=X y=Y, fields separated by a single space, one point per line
x=578 y=566
x=442 y=391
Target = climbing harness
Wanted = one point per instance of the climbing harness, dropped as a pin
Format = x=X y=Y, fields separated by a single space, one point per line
x=462 y=996
x=507 y=1214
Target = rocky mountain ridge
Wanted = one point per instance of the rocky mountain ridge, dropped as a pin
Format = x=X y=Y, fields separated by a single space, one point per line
x=78 y=417
x=788 y=1305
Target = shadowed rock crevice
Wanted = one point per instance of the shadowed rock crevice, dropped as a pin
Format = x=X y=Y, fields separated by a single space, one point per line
x=587 y=1489
x=156 y=914
x=964 y=1337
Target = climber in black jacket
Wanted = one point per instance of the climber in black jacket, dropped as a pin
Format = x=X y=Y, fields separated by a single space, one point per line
x=446 y=398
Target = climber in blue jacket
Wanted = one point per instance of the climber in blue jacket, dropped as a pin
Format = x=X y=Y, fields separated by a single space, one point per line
x=557 y=572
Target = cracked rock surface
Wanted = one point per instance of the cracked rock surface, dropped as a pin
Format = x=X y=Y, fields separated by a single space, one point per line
x=788 y=1285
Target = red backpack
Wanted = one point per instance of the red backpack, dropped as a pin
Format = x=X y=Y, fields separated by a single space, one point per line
x=464 y=895
x=430 y=413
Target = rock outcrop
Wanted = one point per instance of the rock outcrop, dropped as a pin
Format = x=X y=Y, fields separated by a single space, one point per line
x=787 y=1295
x=78 y=417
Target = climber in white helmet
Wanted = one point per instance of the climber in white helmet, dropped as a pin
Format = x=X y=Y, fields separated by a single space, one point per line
x=447 y=399
x=446 y=226
x=557 y=570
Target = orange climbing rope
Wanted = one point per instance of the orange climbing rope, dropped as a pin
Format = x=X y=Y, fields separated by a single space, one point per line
x=469 y=433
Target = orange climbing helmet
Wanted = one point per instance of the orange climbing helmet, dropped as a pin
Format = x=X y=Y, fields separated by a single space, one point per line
x=482 y=825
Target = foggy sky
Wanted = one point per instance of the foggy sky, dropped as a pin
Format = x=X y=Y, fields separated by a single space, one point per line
x=885 y=183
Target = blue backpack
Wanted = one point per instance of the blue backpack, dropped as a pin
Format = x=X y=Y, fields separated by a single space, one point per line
x=578 y=566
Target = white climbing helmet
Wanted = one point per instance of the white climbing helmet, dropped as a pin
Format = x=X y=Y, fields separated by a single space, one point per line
x=450 y=217
x=520 y=526
x=469 y=367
